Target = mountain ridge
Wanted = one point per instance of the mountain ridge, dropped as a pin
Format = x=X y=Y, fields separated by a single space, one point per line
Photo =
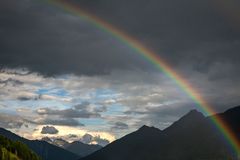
x=193 y=136
x=76 y=147
x=45 y=150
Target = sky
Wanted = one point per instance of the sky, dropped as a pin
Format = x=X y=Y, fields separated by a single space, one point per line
x=61 y=76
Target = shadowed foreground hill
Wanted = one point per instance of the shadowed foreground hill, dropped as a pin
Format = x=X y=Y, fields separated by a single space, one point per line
x=15 y=150
x=192 y=137
x=45 y=150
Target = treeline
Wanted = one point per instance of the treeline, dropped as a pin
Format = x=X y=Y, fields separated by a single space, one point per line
x=15 y=150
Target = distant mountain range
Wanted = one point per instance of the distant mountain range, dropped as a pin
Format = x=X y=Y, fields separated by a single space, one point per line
x=49 y=149
x=76 y=147
x=45 y=150
x=192 y=137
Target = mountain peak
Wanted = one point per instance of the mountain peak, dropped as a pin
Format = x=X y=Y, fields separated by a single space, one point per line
x=145 y=127
x=233 y=110
x=189 y=119
x=194 y=114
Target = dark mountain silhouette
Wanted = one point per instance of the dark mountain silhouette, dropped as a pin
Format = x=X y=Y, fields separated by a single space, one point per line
x=76 y=147
x=232 y=118
x=81 y=149
x=192 y=137
x=45 y=150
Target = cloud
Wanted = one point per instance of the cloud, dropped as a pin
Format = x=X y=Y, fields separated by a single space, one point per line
x=80 y=44
x=208 y=36
x=11 y=81
x=100 y=141
x=89 y=139
x=71 y=134
x=68 y=113
x=81 y=106
x=60 y=122
x=11 y=121
x=120 y=126
x=49 y=130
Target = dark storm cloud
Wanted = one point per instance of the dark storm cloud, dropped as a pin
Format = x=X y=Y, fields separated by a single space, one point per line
x=42 y=38
x=49 y=130
x=189 y=34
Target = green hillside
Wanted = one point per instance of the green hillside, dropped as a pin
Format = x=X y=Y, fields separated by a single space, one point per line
x=15 y=150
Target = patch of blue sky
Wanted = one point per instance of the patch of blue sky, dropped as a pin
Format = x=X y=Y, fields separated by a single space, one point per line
x=93 y=122
x=104 y=94
x=80 y=100
x=52 y=103
x=8 y=111
x=115 y=109
x=42 y=91
x=53 y=91
x=15 y=104
x=100 y=95
x=11 y=106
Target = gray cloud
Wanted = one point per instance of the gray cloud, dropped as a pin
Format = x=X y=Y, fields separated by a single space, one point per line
x=37 y=33
x=68 y=113
x=87 y=138
x=100 y=141
x=189 y=34
x=11 y=81
x=120 y=126
x=81 y=106
x=72 y=136
x=49 y=130
x=61 y=122
x=11 y=121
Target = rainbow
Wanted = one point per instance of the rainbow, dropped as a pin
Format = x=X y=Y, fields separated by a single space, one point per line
x=157 y=61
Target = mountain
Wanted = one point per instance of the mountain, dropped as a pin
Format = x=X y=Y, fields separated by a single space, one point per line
x=56 y=141
x=192 y=137
x=82 y=149
x=11 y=150
x=45 y=150
x=76 y=147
